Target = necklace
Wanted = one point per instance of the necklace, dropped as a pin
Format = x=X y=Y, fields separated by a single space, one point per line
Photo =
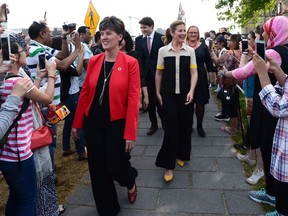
x=106 y=77
x=193 y=46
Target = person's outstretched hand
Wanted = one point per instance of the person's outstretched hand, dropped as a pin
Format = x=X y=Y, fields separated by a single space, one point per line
x=22 y=87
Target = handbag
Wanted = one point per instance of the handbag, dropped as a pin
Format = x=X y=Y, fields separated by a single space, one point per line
x=226 y=95
x=41 y=136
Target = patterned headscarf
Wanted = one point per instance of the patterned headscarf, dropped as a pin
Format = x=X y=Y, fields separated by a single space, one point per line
x=276 y=29
x=19 y=39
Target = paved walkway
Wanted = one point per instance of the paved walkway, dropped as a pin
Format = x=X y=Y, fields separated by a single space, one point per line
x=212 y=183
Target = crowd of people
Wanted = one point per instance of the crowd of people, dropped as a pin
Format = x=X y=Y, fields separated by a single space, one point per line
x=103 y=83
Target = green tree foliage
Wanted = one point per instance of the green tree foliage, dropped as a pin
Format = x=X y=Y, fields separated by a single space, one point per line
x=244 y=12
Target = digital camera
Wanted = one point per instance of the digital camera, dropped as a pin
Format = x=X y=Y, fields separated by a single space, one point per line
x=69 y=26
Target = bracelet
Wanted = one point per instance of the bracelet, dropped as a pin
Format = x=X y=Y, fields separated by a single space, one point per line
x=64 y=38
x=51 y=77
x=38 y=78
x=223 y=74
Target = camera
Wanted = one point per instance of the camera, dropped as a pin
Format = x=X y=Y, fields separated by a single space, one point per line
x=69 y=26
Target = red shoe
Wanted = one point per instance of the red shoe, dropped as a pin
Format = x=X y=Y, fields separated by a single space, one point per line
x=132 y=196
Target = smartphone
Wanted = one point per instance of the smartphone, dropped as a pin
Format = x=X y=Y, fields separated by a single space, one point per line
x=42 y=58
x=260 y=48
x=5 y=46
x=244 y=43
x=45 y=15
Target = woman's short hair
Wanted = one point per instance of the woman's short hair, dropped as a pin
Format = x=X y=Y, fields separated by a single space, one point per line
x=113 y=23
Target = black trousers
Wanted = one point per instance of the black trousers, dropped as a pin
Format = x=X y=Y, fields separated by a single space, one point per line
x=153 y=103
x=270 y=180
x=177 y=135
x=107 y=162
x=281 y=197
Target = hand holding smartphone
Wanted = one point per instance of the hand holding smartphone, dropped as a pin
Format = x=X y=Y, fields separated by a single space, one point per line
x=260 y=48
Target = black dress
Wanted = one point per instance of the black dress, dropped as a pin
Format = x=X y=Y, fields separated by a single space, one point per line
x=204 y=65
x=262 y=123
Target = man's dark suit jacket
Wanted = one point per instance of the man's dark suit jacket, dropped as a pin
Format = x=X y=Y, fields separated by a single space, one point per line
x=138 y=43
x=149 y=62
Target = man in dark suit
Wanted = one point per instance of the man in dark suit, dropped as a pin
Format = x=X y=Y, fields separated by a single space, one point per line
x=149 y=46
x=138 y=43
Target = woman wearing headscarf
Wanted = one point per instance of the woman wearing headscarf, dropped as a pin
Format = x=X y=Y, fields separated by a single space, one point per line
x=262 y=123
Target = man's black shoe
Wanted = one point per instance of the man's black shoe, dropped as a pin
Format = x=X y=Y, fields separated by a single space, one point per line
x=151 y=130
x=240 y=146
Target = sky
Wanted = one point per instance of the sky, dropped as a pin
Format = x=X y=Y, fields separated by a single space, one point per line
x=201 y=13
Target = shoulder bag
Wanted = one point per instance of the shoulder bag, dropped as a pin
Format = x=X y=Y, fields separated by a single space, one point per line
x=41 y=136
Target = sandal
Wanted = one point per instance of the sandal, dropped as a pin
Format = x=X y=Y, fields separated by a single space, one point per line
x=227 y=130
x=61 y=209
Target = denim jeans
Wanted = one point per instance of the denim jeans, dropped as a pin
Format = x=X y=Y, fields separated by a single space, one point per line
x=71 y=103
x=22 y=183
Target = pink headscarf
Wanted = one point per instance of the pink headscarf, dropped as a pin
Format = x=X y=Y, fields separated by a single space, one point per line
x=276 y=29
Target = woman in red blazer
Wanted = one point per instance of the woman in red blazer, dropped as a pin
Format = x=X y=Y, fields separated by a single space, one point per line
x=108 y=113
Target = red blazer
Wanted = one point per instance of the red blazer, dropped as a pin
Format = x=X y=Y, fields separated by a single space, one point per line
x=124 y=92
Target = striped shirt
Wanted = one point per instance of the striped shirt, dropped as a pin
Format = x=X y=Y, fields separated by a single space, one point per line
x=277 y=105
x=21 y=142
x=35 y=50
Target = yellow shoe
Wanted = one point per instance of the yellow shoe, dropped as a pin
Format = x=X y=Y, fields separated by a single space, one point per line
x=181 y=163
x=168 y=176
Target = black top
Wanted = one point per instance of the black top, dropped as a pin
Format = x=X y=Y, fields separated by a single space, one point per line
x=101 y=112
x=137 y=56
x=204 y=65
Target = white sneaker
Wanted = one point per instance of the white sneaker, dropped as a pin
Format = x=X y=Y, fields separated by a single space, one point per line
x=256 y=175
x=246 y=159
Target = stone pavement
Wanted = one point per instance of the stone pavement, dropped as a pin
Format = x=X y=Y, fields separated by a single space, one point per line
x=212 y=183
